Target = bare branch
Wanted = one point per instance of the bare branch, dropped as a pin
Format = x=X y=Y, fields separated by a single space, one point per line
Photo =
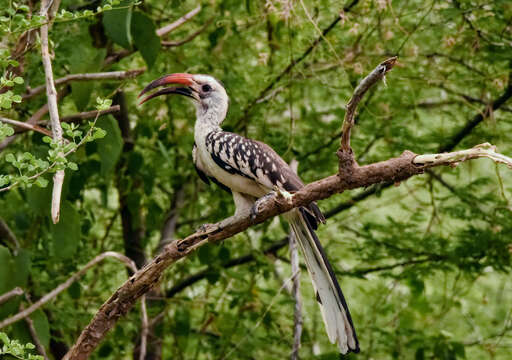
x=17 y=291
x=189 y=37
x=33 y=333
x=6 y=233
x=25 y=126
x=371 y=79
x=51 y=94
x=115 y=57
x=144 y=330
x=109 y=75
x=182 y=20
x=90 y=114
x=52 y=294
x=454 y=158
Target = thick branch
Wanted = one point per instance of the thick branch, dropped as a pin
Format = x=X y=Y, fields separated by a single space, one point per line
x=110 y=75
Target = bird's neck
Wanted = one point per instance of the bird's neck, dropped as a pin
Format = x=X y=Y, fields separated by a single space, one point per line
x=208 y=119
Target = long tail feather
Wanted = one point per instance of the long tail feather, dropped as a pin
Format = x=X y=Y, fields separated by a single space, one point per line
x=333 y=306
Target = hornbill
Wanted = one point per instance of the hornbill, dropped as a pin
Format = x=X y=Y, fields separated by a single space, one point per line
x=250 y=169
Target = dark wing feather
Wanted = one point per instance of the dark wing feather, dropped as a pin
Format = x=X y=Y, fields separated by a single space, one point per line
x=259 y=162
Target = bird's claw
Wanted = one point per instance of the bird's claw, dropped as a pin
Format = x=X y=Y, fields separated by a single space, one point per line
x=255 y=210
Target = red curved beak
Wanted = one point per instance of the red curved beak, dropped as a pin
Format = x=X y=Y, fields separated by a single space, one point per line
x=178 y=78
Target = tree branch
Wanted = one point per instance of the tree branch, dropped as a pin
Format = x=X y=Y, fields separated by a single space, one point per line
x=110 y=75
x=182 y=20
x=371 y=79
x=52 y=294
x=17 y=291
x=189 y=37
x=6 y=233
x=25 y=126
x=33 y=333
x=389 y=171
x=51 y=94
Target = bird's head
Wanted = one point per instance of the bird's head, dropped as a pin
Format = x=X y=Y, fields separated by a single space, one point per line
x=208 y=94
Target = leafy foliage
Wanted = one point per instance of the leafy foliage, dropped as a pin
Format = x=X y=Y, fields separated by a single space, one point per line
x=425 y=266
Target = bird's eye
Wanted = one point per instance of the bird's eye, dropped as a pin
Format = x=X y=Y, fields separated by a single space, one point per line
x=206 y=87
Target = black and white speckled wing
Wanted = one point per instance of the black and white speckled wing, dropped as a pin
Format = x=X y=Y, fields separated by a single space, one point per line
x=251 y=159
x=259 y=162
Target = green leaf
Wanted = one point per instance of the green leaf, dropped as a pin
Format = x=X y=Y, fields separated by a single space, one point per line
x=117 y=25
x=145 y=38
x=110 y=147
x=66 y=233
x=41 y=182
x=5 y=258
x=42 y=327
x=10 y=158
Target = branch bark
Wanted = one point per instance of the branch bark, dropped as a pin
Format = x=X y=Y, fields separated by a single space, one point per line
x=51 y=94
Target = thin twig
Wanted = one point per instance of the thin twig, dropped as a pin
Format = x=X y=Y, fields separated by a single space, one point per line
x=145 y=329
x=34 y=119
x=243 y=119
x=371 y=79
x=189 y=37
x=42 y=172
x=51 y=94
x=33 y=333
x=109 y=75
x=26 y=126
x=90 y=114
x=17 y=291
x=182 y=20
x=66 y=284
x=6 y=233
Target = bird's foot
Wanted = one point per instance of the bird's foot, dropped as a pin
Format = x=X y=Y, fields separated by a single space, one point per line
x=255 y=210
